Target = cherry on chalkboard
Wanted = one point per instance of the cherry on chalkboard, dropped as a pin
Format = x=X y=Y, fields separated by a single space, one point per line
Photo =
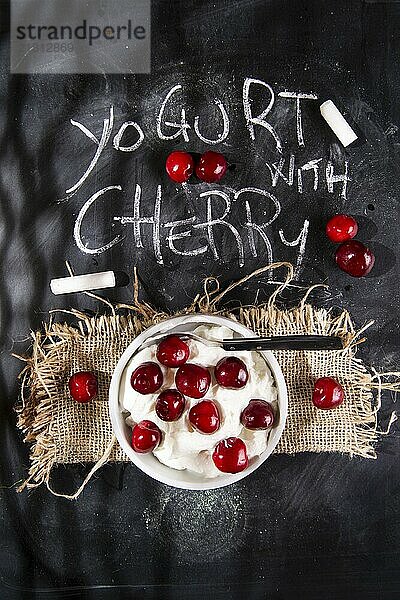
x=179 y=166
x=211 y=167
x=354 y=258
x=341 y=228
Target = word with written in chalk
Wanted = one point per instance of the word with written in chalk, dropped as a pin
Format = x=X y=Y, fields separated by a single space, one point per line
x=196 y=234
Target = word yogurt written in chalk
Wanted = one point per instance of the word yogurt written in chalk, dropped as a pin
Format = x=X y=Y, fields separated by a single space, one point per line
x=189 y=228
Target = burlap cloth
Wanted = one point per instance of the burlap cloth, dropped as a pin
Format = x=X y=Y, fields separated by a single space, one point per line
x=61 y=431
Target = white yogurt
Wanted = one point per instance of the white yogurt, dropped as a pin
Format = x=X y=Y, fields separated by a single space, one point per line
x=182 y=447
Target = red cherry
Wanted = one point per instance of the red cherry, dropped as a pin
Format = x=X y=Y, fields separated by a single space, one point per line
x=83 y=386
x=231 y=372
x=258 y=414
x=211 y=167
x=170 y=405
x=145 y=437
x=172 y=352
x=204 y=416
x=193 y=380
x=147 y=378
x=341 y=228
x=230 y=455
x=354 y=258
x=328 y=393
x=179 y=166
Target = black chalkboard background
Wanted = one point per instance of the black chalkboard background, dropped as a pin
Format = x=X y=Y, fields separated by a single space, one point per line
x=310 y=526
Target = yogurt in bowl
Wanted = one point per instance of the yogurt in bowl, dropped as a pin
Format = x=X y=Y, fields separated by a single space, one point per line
x=184 y=456
x=182 y=446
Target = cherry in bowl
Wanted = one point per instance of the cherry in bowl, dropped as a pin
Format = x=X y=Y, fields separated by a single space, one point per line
x=258 y=414
x=146 y=436
x=193 y=380
x=204 y=417
x=170 y=405
x=147 y=378
x=172 y=351
x=230 y=455
x=231 y=372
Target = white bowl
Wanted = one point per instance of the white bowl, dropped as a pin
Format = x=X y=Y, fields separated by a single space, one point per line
x=148 y=463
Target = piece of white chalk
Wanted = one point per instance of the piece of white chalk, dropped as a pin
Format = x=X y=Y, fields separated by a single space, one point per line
x=83 y=283
x=337 y=123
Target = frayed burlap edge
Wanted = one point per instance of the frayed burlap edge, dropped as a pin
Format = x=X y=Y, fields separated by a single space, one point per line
x=35 y=409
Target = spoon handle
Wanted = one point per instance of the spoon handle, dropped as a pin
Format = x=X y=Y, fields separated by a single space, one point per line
x=285 y=342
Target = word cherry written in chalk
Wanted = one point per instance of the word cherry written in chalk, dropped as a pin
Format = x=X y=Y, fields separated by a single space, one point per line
x=218 y=205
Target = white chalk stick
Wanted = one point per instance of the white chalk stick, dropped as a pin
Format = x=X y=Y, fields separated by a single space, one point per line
x=83 y=283
x=337 y=123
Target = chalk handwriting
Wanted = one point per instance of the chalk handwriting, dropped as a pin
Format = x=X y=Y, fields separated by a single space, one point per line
x=300 y=241
x=78 y=224
x=331 y=178
x=216 y=219
x=212 y=221
x=260 y=119
x=299 y=122
x=225 y=131
x=118 y=137
x=105 y=136
x=183 y=126
x=222 y=222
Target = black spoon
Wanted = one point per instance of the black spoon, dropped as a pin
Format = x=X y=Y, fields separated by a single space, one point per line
x=283 y=342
